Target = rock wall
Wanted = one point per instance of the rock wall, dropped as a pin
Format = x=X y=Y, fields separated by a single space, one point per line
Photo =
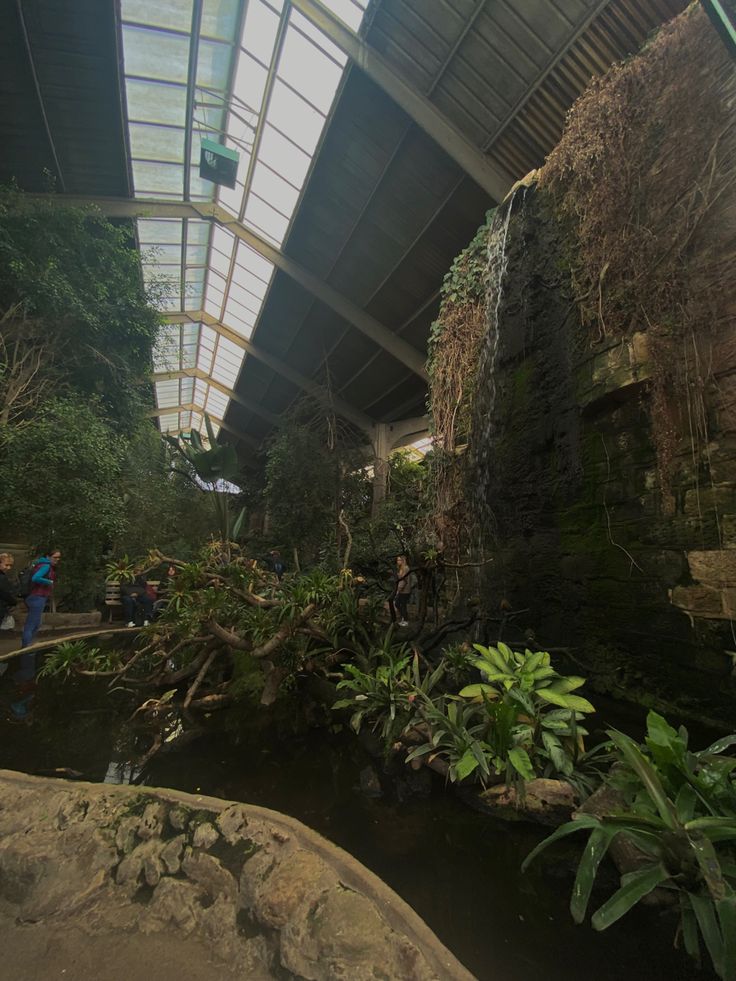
x=99 y=880
x=563 y=468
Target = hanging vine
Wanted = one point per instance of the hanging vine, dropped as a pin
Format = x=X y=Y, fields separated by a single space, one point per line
x=646 y=174
x=452 y=365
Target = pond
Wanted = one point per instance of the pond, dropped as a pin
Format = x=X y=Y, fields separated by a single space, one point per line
x=459 y=869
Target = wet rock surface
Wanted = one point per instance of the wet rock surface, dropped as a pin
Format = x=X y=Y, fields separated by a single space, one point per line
x=244 y=892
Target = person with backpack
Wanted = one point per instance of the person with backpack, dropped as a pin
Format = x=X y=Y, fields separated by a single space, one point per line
x=37 y=585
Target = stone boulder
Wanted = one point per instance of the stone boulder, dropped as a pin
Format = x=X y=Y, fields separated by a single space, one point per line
x=247 y=892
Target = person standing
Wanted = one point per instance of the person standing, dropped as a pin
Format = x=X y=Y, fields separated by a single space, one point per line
x=8 y=597
x=277 y=563
x=8 y=588
x=43 y=577
x=403 y=589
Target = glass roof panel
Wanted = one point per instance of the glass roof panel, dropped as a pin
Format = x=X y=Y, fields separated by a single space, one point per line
x=151 y=179
x=154 y=102
x=196 y=255
x=165 y=255
x=155 y=54
x=290 y=113
x=259 y=32
x=200 y=392
x=308 y=69
x=175 y=14
x=216 y=402
x=308 y=28
x=284 y=157
x=271 y=88
x=248 y=310
x=213 y=65
x=250 y=84
x=150 y=142
x=266 y=219
x=219 y=18
x=156 y=231
x=198 y=232
x=253 y=262
x=270 y=187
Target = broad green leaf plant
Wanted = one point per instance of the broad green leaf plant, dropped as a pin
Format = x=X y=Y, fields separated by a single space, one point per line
x=680 y=812
x=534 y=719
x=212 y=464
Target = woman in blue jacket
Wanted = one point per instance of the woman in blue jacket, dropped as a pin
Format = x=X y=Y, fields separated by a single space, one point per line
x=43 y=577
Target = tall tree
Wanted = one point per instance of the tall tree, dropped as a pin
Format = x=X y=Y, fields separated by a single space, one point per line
x=74 y=310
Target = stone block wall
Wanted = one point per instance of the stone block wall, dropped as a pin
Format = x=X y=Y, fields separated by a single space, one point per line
x=642 y=589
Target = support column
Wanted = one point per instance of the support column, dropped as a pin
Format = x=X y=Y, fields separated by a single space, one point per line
x=381 y=439
x=386 y=437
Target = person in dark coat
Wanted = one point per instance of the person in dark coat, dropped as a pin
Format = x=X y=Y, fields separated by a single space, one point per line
x=8 y=586
x=277 y=563
x=137 y=604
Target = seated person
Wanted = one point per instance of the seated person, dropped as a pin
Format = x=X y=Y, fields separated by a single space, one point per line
x=137 y=604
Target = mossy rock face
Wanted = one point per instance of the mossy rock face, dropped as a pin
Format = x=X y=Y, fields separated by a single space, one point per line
x=563 y=467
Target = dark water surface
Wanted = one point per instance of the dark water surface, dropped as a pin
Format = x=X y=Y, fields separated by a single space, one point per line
x=459 y=869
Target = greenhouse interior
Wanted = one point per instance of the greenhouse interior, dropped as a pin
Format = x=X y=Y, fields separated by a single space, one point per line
x=368 y=490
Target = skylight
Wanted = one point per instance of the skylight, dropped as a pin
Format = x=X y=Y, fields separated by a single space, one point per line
x=263 y=87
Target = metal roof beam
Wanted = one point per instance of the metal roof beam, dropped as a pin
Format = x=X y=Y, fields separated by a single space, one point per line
x=493 y=179
x=233 y=396
x=317 y=391
x=191 y=407
x=365 y=323
x=166 y=410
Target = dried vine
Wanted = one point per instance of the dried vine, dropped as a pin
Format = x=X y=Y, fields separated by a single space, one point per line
x=452 y=364
x=646 y=174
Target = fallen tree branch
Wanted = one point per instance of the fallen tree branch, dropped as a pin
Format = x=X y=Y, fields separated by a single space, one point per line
x=198 y=680
x=283 y=633
x=227 y=636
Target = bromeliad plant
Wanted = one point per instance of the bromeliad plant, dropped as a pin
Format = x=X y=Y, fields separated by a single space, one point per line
x=680 y=811
x=386 y=695
x=534 y=719
x=78 y=657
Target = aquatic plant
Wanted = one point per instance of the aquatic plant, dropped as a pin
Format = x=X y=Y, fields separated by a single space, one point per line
x=77 y=656
x=679 y=810
x=385 y=696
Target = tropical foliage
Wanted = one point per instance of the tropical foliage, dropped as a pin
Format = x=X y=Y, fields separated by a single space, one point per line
x=522 y=723
x=214 y=465
x=59 y=478
x=679 y=810
x=76 y=317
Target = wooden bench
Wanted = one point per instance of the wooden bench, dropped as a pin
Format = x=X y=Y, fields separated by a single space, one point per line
x=112 y=594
